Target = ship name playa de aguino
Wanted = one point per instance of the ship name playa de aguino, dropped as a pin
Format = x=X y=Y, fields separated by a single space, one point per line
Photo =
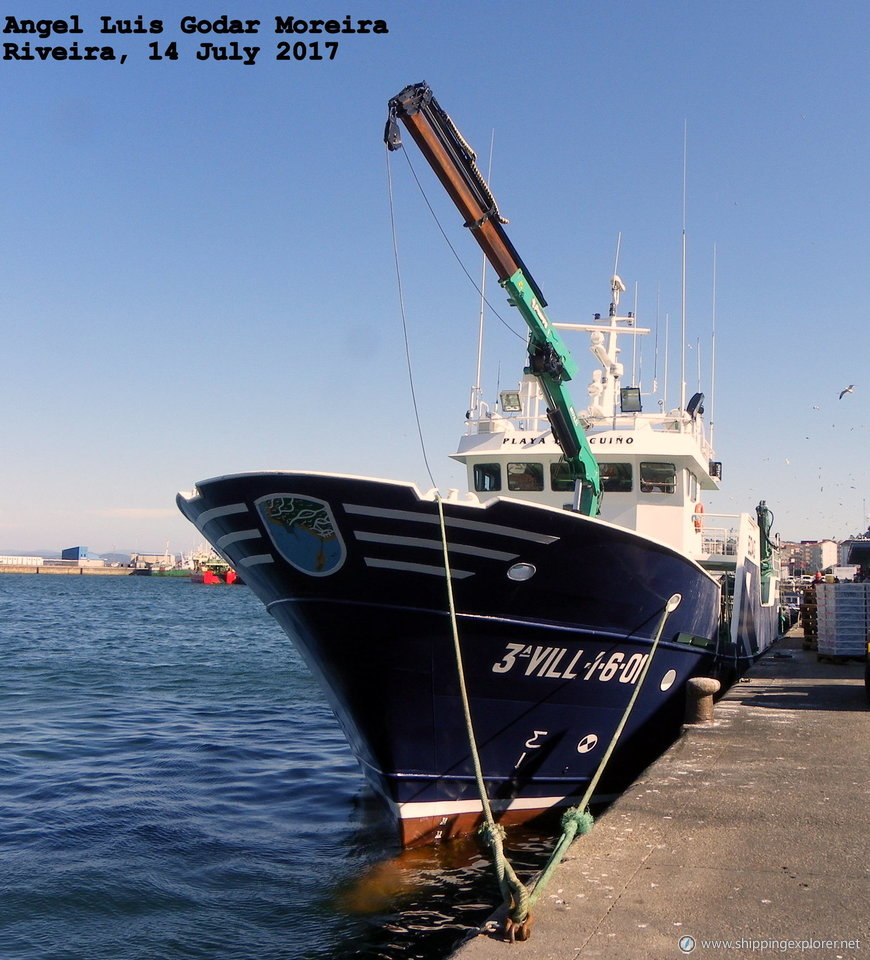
x=224 y=28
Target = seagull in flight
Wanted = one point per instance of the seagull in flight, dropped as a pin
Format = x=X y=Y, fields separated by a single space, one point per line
x=846 y=390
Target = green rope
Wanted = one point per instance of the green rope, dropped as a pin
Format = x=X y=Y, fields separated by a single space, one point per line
x=518 y=898
x=578 y=819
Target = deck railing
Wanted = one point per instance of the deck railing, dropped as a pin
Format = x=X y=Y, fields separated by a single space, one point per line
x=720 y=533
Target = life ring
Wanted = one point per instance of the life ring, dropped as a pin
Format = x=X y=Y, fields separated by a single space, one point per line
x=698 y=517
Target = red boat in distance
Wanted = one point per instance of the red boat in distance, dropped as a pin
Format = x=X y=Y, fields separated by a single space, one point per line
x=212 y=569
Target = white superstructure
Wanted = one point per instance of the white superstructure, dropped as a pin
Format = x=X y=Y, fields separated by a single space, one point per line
x=655 y=467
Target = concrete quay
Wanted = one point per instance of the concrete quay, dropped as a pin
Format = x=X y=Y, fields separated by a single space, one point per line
x=750 y=837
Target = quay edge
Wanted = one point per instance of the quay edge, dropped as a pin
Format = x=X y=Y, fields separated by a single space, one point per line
x=67 y=571
x=749 y=830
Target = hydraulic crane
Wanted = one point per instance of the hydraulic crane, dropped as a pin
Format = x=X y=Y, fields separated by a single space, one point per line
x=455 y=165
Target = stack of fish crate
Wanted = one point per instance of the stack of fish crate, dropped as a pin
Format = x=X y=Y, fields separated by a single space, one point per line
x=843 y=619
x=809 y=618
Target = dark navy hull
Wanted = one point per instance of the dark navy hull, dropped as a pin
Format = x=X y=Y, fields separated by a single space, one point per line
x=353 y=570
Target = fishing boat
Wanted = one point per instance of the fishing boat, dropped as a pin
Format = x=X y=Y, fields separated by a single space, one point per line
x=579 y=563
x=210 y=568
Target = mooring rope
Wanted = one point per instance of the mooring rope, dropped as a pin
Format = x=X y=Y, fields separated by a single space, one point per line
x=578 y=819
x=513 y=890
x=517 y=897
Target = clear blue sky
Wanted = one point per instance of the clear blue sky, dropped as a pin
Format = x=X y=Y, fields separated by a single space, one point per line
x=197 y=265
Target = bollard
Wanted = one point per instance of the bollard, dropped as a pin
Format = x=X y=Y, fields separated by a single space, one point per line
x=699 y=701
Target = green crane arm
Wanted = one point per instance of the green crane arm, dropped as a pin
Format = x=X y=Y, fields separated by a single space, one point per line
x=455 y=165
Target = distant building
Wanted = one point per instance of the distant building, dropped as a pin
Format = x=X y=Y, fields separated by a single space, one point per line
x=819 y=554
x=79 y=555
x=809 y=557
x=74 y=553
x=789 y=555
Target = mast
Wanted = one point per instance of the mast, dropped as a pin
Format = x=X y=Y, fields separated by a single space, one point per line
x=477 y=390
x=713 y=352
x=683 y=283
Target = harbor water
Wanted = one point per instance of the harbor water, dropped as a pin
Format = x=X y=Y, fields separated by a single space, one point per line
x=173 y=785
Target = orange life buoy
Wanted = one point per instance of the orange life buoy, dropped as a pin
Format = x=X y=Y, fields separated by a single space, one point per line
x=698 y=517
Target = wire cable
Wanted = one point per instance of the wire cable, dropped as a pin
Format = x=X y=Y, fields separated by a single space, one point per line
x=452 y=249
x=409 y=365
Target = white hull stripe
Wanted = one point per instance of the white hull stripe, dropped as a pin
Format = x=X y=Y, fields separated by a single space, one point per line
x=256 y=559
x=433 y=545
x=229 y=538
x=228 y=511
x=452 y=808
x=493 y=528
x=417 y=568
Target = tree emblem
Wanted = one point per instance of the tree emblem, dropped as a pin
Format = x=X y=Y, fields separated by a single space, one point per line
x=304 y=532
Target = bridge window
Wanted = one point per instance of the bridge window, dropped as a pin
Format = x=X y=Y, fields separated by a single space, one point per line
x=525 y=476
x=658 y=477
x=487 y=477
x=561 y=478
x=615 y=477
